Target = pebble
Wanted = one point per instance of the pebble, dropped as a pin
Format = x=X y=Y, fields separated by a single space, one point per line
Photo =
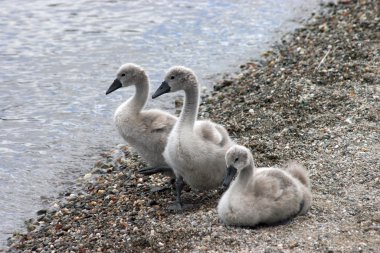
x=87 y=176
x=41 y=212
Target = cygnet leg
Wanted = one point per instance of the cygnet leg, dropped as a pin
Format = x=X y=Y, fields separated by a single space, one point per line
x=179 y=184
x=179 y=206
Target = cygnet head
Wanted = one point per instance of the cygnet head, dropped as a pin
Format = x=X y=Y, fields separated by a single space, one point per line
x=237 y=158
x=127 y=75
x=177 y=78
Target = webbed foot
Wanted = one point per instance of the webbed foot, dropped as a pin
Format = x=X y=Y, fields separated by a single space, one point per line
x=154 y=170
x=177 y=207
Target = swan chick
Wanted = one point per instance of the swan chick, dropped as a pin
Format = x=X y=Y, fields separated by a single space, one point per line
x=144 y=130
x=261 y=195
x=195 y=149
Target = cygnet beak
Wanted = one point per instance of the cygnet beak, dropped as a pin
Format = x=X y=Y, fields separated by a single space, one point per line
x=114 y=86
x=231 y=172
x=164 y=88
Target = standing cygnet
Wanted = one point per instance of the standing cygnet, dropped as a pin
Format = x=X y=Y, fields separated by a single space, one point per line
x=262 y=195
x=195 y=149
x=145 y=130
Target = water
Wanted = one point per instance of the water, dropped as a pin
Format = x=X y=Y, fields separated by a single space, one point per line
x=57 y=58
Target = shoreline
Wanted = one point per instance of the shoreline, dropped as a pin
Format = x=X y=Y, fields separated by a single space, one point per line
x=314 y=98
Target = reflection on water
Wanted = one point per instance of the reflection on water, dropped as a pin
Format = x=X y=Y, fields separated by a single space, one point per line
x=57 y=58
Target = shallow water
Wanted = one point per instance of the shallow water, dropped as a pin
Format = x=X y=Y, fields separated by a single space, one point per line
x=57 y=58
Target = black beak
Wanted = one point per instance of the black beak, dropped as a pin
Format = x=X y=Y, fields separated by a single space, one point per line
x=231 y=172
x=164 y=88
x=114 y=86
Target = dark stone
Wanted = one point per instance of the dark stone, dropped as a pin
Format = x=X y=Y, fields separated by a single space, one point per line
x=41 y=212
x=153 y=202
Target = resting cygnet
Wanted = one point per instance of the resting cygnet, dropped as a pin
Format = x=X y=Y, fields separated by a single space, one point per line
x=262 y=195
x=145 y=130
x=195 y=149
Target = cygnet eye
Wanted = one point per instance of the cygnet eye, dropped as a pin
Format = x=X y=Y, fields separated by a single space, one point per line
x=172 y=77
x=123 y=74
x=236 y=159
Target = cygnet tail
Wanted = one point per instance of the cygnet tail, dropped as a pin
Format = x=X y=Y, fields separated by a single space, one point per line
x=224 y=134
x=298 y=171
x=306 y=202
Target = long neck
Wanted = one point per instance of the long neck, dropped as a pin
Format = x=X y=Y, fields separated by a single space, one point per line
x=246 y=174
x=137 y=102
x=190 y=109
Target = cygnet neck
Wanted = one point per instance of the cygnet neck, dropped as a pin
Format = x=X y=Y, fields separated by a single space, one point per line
x=189 y=112
x=246 y=174
x=138 y=101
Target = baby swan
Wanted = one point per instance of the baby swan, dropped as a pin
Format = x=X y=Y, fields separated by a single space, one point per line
x=195 y=149
x=262 y=195
x=145 y=130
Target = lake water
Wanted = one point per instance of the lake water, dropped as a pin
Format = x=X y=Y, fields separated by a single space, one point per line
x=57 y=58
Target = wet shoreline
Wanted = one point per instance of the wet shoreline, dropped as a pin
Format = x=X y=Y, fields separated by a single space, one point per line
x=314 y=98
x=58 y=59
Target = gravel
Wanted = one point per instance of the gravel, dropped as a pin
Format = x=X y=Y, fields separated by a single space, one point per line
x=314 y=98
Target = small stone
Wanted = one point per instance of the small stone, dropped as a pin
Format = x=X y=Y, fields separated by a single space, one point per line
x=293 y=244
x=72 y=196
x=58 y=226
x=101 y=192
x=348 y=120
x=41 y=212
x=87 y=176
x=153 y=203
x=30 y=227
x=376 y=217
